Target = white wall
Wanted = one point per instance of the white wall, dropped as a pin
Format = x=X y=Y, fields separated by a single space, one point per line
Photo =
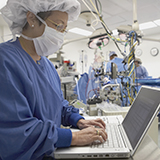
x=1 y=34
x=6 y=34
x=74 y=50
x=152 y=64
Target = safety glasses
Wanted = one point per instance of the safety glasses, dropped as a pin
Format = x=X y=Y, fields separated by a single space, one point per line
x=59 y=27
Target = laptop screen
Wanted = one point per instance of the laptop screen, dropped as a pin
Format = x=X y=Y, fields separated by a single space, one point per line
x=140 y=114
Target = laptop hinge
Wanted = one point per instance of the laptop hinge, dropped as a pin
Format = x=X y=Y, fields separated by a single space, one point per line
x=125 y=138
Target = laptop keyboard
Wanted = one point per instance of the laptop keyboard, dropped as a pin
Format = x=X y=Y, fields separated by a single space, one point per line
x=114 y=138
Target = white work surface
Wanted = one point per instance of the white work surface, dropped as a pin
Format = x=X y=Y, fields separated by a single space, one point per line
x=148 y=149
x=153 y=130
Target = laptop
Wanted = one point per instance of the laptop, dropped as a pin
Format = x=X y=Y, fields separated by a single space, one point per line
x=130 y=130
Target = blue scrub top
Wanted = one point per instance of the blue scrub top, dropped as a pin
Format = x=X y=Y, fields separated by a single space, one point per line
x=120 y=67
x=93 y=84
x=141 y=72
x=118 y=62
x=32 y=106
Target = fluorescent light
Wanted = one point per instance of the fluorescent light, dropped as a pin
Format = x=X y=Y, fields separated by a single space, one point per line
x=157 y=22
x=115 y=32
x=147 y=25
x=80 y=31
x=2 y=3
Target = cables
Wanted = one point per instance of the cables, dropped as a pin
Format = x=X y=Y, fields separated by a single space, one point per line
x=91 y=12
x=131 y=40
x=95 y=89
x=131 y=66
x=115 y=40
x=100 y=11
x=96 y=5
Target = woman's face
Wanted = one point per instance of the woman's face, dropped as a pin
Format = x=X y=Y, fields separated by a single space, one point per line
x=136 y=63
x=56 y=20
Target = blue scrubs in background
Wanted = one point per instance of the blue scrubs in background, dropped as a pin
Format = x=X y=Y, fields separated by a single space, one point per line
x=141 y=72
x=120 y=67
x=32 y=106
x=118 y=62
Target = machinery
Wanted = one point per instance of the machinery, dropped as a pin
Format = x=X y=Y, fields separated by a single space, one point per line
x=68 y=77
x=124 y=91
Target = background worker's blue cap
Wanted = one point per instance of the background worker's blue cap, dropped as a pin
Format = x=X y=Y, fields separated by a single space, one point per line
x=112 y=53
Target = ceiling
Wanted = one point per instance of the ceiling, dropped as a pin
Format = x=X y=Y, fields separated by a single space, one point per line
x=120 y=12
x=116 y=13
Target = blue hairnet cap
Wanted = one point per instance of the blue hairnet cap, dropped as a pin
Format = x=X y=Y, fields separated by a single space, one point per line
x=111 y=53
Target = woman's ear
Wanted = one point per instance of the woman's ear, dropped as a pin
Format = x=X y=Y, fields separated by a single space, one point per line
x=31 y=19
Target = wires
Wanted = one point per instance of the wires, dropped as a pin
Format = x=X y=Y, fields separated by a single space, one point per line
x=131 y=66
x=96 y=89
x=131 y=41
x=100 y=6
x=95 y=15
x=97 y=6
x=90 y=11
x=115 y=40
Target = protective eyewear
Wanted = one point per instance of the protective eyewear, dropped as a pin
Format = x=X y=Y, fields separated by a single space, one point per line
x=59 y=27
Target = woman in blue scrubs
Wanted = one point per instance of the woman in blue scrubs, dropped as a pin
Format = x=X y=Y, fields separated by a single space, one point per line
x=140 y=70
x=32 y=107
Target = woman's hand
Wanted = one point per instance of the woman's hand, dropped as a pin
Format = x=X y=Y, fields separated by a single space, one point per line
x=82 y=123
x=88 y=135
